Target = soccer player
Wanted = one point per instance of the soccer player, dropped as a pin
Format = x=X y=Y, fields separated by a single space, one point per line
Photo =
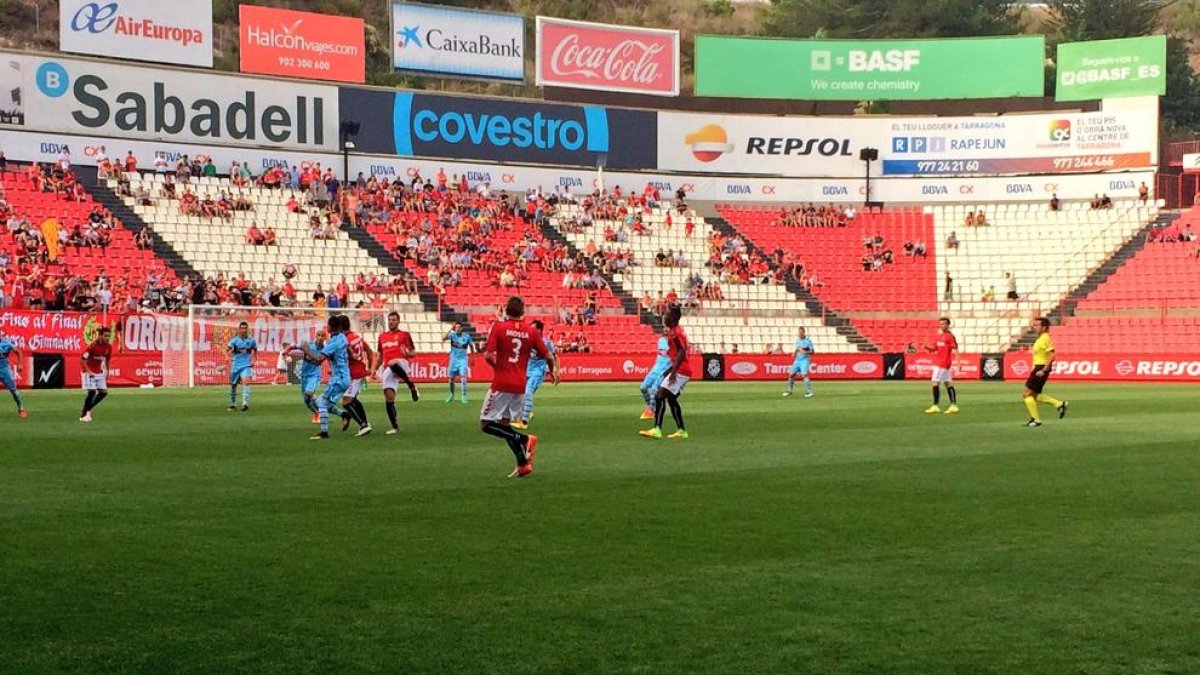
x=802 y=365
x=7 y=349
x=281 y=366
x=674 y=380
x=662 y=363
x=242 y=349
x=361 y=358
x=1043 y=363
x=334 y=351
x=395 y=348
x=95 y=373
x=461 y=347
x=535 y=376
x=310 y=374
x=943 y=350
x=510 y=343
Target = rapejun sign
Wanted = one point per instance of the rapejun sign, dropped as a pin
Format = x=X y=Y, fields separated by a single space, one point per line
x=844 y=70
x=1112 y=68
x=602 y=57
x=302 y=44
x=145 y=30
x=449 y=41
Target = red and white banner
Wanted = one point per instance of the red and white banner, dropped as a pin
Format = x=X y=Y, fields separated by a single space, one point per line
x=604 y=57
x=920 y=367
x=824 y=366
x=66 y=333
x=1111 y=367
x=302 y=44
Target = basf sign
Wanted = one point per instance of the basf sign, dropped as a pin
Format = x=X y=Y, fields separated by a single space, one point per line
x=302 y=44
x=143 y=30
x=451 y=41
x=602 y=57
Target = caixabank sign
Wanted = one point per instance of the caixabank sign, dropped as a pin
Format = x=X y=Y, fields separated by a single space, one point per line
x=409 y=124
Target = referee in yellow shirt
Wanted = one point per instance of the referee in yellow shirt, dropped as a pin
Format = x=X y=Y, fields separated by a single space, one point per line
x=1043 y=363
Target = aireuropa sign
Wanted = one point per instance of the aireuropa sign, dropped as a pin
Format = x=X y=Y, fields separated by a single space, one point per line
x=1112 y=68
x=142 y=30
x=302 y=44
x=499 y=130
x=452 y=41
x=855 y=70
x=1052 y=143
x=121 y=101
x=603 y=57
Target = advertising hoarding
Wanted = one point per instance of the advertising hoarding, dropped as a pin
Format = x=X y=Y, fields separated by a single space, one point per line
x=1112 y=68
x=453 y=41
x=142 y=30
x=302 y=44
x=604 y=57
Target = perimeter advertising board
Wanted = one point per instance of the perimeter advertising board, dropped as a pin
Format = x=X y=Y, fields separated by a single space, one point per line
x=845 y=70
x=453 y=41
x=302 y=44
x=143 y=30
x=1112 y=68
x=604 y=57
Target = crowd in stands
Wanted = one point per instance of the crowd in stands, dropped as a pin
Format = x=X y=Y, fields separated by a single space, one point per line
x=811 y=215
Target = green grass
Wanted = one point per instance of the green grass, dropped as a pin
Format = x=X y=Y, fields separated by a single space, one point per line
x=846 y=533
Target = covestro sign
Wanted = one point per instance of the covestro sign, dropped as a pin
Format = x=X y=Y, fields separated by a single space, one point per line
x=302 y=44
x=143 y=30
x=603 y=57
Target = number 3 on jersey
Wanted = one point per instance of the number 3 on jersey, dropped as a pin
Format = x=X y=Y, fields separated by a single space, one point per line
x=516 y=355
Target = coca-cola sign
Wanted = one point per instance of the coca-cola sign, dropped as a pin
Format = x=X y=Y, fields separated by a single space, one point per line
x=604 y=57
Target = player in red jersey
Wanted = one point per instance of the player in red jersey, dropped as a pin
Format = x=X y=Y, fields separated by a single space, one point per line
x=675 y=380
x=361 y=358
x=510 y=343
x=95 y=373
x=395 y=348
x=943 y=363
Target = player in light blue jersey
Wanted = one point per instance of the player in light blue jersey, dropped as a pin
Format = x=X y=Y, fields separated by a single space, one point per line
x=801 y=366
x=336 y=351
x=9 y=349
x=650 y=385
x=535 y=376
x=242 y=350
x=310 y=374
x=461 y=347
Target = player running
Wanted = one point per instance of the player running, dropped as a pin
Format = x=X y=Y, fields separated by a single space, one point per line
x=7 y=349
x=461 y=347
x=662 y=363
x=1043 y=364
x=395 y=349
x=675 y=379
x=361 y=358
x=944 y=349
x=509 y=345
x=802 y=365
x=535 y=376
x=336 y=353
x=242 y=349
x=310 y=374
x=95 y=373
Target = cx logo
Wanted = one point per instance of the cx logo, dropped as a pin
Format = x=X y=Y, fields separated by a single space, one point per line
x=966 y=189
x=413 y=172
x=94 y=18
x=768 y=189
x=687 y=187
x=1051 y=187
x=508 y=178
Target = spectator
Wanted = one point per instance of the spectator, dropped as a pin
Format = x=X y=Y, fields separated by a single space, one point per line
x=269 y=238
x=1106 y=202
x=948 y=292
x=1011 y=280
x=254 y=236
x=980 y=218
x=1095 y=202
x=1143 y=193
x=1055 y=204
x=952 y=241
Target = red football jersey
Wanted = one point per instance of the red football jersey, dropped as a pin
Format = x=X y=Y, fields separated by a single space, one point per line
x=394 y=345
x=945 y=345
x=513 y=342
x=357 y=350
x=96 y=357
x=677 y=342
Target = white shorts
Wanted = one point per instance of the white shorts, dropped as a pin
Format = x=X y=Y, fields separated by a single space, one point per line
x=389 y=379
x=355 y=387
x=93 y=381
x=501 y=406
x=941 y=376
x=677 y=386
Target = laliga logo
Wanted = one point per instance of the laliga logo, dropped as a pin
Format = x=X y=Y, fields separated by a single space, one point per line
x=94 y=18
x=708 y=143
x=628 y=367
x=1060 y=131
x=1124 y=368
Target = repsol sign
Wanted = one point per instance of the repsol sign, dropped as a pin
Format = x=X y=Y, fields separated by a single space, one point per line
x=825 y=147
x=133 y=101
x=460 y=127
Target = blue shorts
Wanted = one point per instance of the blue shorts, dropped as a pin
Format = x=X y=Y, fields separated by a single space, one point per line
x=534 y=380
x=458 y=368
x=653 y=381
x=800 y=368
x=6 y=379
x=309 y=385
x=334 y=391
x=236 y=374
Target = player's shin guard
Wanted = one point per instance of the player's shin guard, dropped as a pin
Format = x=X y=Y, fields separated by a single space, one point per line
x=515 y=441
x=464 y=387
x=676 y=411
x=245 y=394
x=452 y=387
x=232 y=395
x=660 y=411
x=807 y=385
x=16 y=395
x=390 y=406
x=360 y=413
x=937 y=394
x=528 y=411
x=88 y=402
x=310 y=402
x=953 y=395
x=1048 y=400
x=791 y=384
x=1031 y=406
x=323 y=405
x=648 y=397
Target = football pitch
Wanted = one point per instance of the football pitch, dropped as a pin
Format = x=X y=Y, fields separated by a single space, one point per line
x=845 y=533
